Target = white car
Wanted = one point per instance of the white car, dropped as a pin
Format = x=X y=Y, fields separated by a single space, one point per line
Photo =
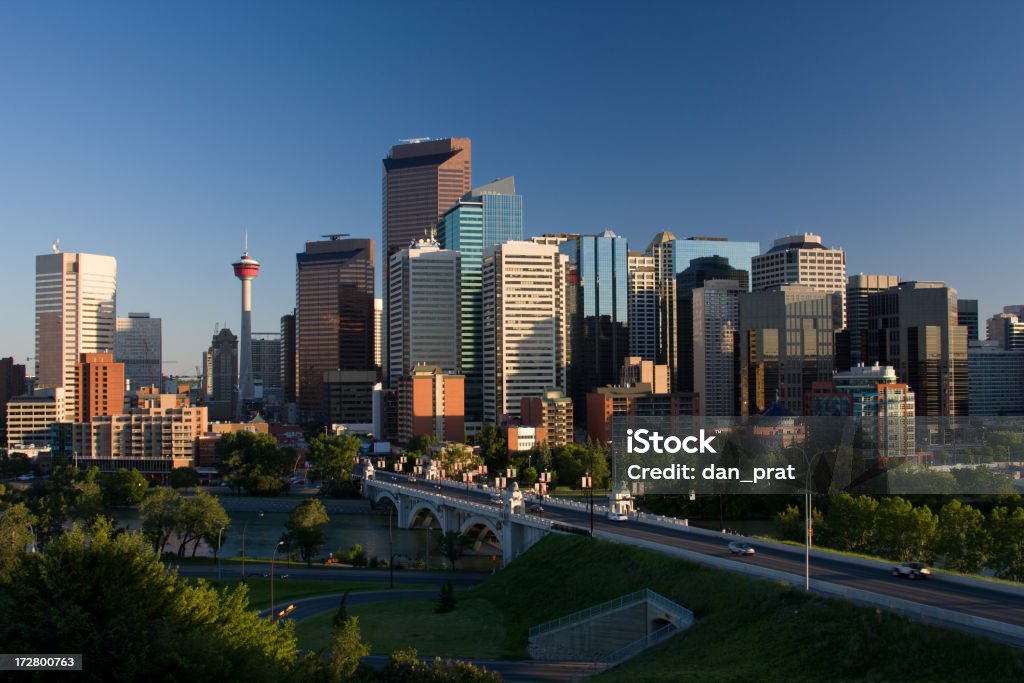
x=737 y=548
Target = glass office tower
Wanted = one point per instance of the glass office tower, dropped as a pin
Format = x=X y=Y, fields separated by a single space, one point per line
x=598 y=312
x=488 y=216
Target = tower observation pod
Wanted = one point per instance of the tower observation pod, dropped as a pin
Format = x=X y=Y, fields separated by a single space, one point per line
x=246 y=270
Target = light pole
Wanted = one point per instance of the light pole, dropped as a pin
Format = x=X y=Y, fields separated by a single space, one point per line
x=588 y=483
x=272 y=559
x=245 y=528
x=808 y=528
x=219 y=532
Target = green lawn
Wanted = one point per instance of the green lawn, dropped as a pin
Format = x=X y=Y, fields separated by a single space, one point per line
x=746 y=629
x=293 y=589
x=474 y=630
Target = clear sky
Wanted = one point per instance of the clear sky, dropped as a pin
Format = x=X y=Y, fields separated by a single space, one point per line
x=159 y=132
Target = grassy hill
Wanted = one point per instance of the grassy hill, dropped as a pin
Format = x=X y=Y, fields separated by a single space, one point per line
x=746 y=629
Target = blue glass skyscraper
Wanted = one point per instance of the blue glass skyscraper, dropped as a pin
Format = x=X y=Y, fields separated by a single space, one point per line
x=487 y=216
x=598 y=312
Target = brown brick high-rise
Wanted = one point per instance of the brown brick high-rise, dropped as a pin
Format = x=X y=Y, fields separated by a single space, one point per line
x=100 y=386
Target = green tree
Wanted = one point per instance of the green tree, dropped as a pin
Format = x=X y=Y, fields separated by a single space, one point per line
x=904 y=532
x=347 y=649
x=452 y=545
x=306 y=528
x=446 y=603
x=404 y=667
x=457 y=457
x=493 y=447
x=16 y=538
x=197 y=518
x=849 y=523
x=961 y=537
x=125 y=487
x=109 y=597
x=333 y=458
x=184 y=477
x=420 y=444
x=160 y=513
x=253 y=462
x=341 y=616
x=1006 y=547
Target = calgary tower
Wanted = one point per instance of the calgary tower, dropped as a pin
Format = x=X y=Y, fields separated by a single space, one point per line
x=246 y=270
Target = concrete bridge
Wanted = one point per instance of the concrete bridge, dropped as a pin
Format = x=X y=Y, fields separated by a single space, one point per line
x=504 y=529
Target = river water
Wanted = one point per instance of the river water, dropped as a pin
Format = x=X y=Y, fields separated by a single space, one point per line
x=376 y=533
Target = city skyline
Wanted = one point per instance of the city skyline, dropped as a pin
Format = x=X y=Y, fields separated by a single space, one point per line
x=117 y=144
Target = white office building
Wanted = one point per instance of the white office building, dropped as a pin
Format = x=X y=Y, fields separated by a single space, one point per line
x=525 y=350
x=76 y=313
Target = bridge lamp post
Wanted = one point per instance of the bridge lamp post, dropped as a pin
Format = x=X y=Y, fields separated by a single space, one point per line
x=588 y=483
x=544 y=479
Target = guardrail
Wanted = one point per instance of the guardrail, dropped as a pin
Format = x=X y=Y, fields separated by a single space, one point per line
x=646 y=595
x=635 y=648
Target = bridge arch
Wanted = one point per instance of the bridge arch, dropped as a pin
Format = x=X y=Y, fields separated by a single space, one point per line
x=481 y=530
x=418 y=511
x=382 y=495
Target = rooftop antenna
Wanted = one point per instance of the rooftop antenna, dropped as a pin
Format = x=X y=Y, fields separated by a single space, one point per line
x=55 y=246
x=337 y=235
x=246 y=251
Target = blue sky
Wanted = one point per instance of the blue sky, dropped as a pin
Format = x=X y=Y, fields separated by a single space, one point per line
x=160 y=132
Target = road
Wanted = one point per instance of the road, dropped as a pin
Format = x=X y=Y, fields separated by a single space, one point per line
x=974 y=599
x=233 y=570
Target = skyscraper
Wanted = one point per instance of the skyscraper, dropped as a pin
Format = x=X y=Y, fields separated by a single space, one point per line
x=597 y=298
x=858 y=288
x=525 y=327
x=76 y=310
x=715 y=316
x=266 y=365
x=138 y=344
x=643 y=305
x=739 y=254
x=803 y=260
x=662 y=250
x=423 y=178
x=786 y=344
x=488 y=216
x=424 y=308
x=334 y=315
x=996 y=379
x=246 y=269
x=698 y=272
x=914 y=328
x=1007 y=330
x=288 y=357
x=222 y=374
x=12 y=383
x=967 y=315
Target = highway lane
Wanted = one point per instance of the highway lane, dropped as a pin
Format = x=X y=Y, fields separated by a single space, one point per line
x=977 y=600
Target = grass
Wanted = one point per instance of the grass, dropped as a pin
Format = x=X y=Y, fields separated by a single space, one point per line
x=746 y=629
x=474 y=630
x=293 y=589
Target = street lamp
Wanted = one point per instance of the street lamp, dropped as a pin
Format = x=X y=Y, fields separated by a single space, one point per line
x=808 y=528
x=588 y=483
x=220 y=531
x=272 y=559
x=245 y=528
